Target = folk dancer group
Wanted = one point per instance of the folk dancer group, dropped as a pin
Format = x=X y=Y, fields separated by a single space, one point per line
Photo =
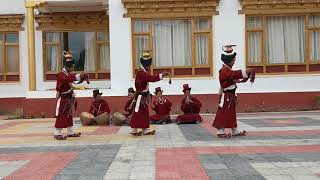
x=136 y=110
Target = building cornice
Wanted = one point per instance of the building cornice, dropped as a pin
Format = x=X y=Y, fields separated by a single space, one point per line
x=11 y=22
x=279 y=6
x=170 y=8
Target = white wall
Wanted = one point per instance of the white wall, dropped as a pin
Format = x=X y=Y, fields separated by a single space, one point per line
x=12 y=7
x=228 y=28
x=17 y=89
x=120 y=48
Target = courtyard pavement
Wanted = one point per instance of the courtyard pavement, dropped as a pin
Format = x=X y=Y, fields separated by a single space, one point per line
x=284 y=146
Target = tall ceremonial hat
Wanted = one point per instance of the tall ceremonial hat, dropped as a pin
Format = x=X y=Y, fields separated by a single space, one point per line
x=96 y=92
x=228 y=54
x=68 y=62
x=146 y=59
x=186 y=87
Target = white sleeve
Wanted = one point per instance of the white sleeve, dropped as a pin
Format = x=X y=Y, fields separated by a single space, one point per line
x=160 y=76
x=244 y=73
x=77 y=77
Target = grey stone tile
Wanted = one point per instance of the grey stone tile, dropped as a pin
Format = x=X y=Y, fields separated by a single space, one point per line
x=66 y=177
x=194 y=132
x=91 y=177
x=263 y=122
x=244 y=172
x=90 y=162
x=221 y=174
x=251 y=177
x=234 y=166
x=214 y=166
x=210 y=159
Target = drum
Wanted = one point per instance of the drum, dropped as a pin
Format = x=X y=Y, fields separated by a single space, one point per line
x=86 y=119
x=102 y=119
x=118 y=119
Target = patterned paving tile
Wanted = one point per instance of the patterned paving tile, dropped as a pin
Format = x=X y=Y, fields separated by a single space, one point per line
x=195 y=132
x=8 y=167
x=259 y=166
x=237 y=162
x=60 y=162
x=44 y=128
x=278 y=146
x=280 y=122
x=202 y=132
x=192 y=132
x=41 y=165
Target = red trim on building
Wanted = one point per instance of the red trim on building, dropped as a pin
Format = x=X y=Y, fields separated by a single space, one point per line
x=183 y=71
x=248 y=102
x=275 y=69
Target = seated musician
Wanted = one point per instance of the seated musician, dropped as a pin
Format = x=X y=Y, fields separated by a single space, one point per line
x=162 y=107
x=190 y=106
x=98 y=106
x=128 y=108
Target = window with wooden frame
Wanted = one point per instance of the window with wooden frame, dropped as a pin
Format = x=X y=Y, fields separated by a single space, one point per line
x=182 y=46
x=90 y=50
x=10 y=26
x=314 y=42
x=9 y=57
x=278 y=44
x=85 y=34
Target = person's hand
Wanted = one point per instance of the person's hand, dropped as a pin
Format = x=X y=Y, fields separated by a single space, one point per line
x=251 y=74
x=84 y=77
x=164 y=74
x=248 y=71
x=244 y=80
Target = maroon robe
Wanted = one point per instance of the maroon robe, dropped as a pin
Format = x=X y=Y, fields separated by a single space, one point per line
x=191 y=111
x=66 y=99
x=162 y=111
x=99 y=107
x=140 y=119
x=128 y=110
x=226 y=114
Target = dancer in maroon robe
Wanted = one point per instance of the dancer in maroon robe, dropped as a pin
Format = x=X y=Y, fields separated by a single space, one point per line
x=162 y=107
x=226 y=114
x=98 y=106
x=140 y=115
x=190 y=106
x=128 y=108
x=66 y=98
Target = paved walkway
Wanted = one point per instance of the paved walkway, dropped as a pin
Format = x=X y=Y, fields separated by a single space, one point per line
x=278 y=146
